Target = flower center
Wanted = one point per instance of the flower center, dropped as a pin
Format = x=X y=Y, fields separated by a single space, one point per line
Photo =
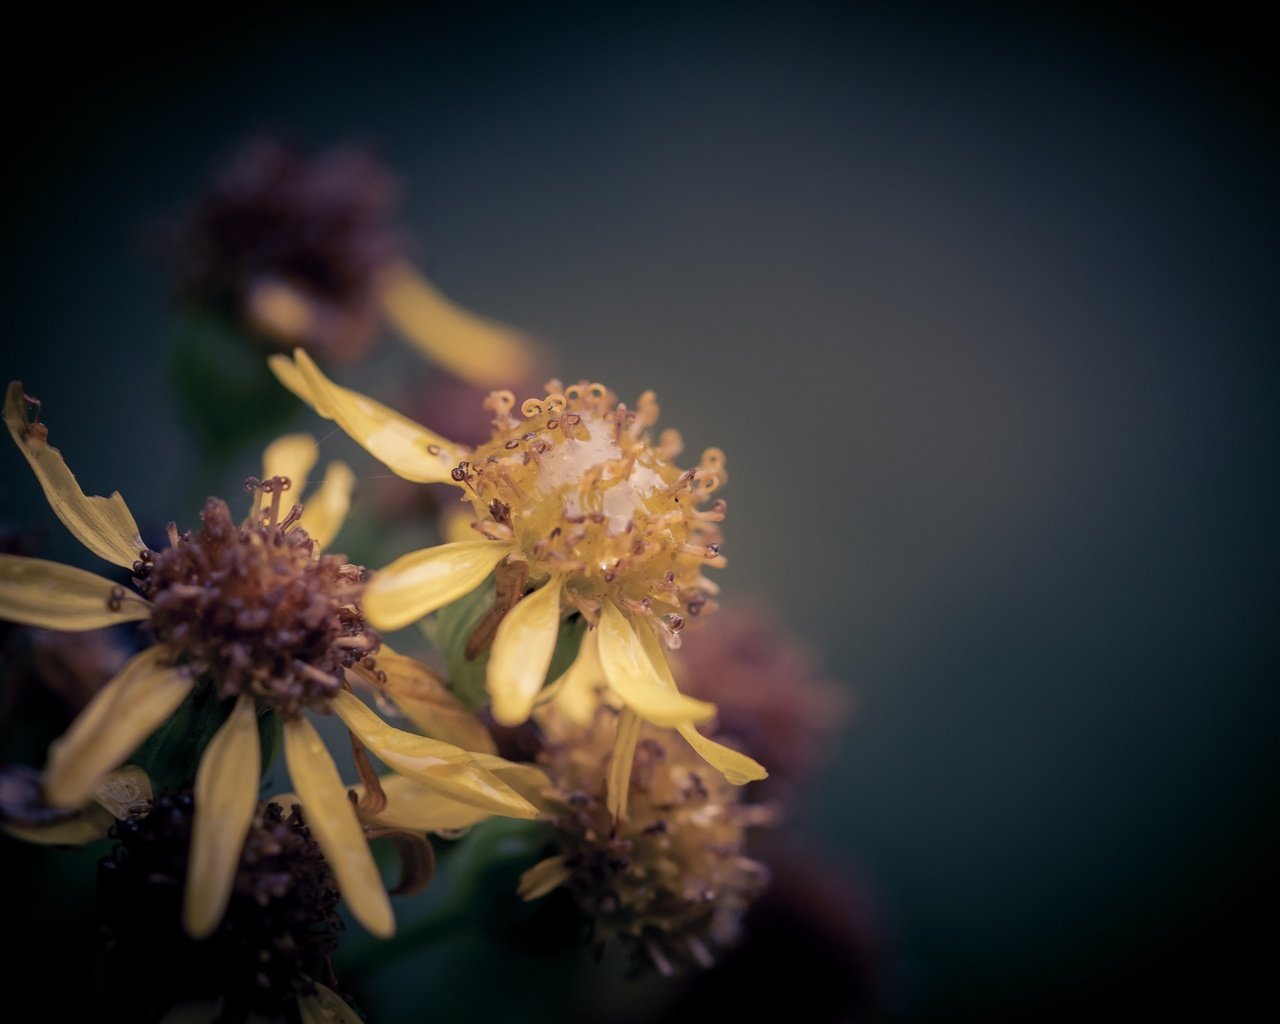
x=255 y=607
x=582 y=491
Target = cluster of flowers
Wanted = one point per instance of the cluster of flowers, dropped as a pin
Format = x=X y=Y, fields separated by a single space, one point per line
x=582 y=559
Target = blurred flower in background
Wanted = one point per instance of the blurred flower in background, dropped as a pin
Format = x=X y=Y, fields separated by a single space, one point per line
x=288 y=248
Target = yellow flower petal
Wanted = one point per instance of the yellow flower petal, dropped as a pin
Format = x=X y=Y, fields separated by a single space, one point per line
x=577 y=693
x=423 y=581
x=436 y=764
x=325 y=509
x=407 y=449
x=53 y=596
x=528 y=780
x=333 y=822
x=634 y=678
x=735 y=766
x=468 y=346
x=624 y=752
x=104 y=525
x=543 y=877
x=292 y=456
x=226 y=795
x=121 y=715
x=521 y=654
x=84 y=828
x=324 y=1006
x=417 y=808
x=425 y=700
x=455 y=525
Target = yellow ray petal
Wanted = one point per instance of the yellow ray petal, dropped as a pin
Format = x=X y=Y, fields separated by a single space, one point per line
x=104 y=525
x=418 y=808
x=292 y=456
x=425 y=700
x=435 y=764
x=455 y=524
x=53 y=596
x=121 y=715
x=333 y=821
x=324 y=1006
x=407 y=449
x=543 y=877
x=528 y=780
x=325 y=509
x=423 y=581
x=634 y=678
x=226 y=795
x=737 y=768
x=522 y=650
x=624 y=752
x=468 y=346
x=577 y=693
x=84 y=828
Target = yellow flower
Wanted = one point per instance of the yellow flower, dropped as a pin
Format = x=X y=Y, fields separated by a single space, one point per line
x=574 y=500
x=270 y=622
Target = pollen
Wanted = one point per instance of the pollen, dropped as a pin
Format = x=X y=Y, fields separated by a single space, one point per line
x=255 y=607
x=576 y=481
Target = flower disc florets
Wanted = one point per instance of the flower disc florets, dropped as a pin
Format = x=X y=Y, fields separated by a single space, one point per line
x=670 y=880
x=254 y=606
x=583 y=491
x=280 y=925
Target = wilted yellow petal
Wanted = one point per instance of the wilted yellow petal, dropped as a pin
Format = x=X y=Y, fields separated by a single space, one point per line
x=324 y=1006
x=543 y=877
x=424 y=699
x=83 y=828
x=53 y=596
x=624 y=752
x=104 y=525
x=522 y=650
x=634 y=679
x=292 y=456
x=121 y=715
x=333 y=821
x=528 y=780
x=325 y=509
x=124 y=791
x=404 y=447
x=436 y=764
x=417 y=808
x=468 y=346
x=737 y=768
x=226 y=795
x=423 y=581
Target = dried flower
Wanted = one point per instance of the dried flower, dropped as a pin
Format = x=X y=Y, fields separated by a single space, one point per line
x=256 y=612
x=302 y=250
x=269 y=948
x=670 y=879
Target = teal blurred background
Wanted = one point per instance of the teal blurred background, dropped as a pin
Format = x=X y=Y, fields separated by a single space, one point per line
x=981 y=305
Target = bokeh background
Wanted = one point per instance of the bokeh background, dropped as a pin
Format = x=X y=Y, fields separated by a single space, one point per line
x=982 y=305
